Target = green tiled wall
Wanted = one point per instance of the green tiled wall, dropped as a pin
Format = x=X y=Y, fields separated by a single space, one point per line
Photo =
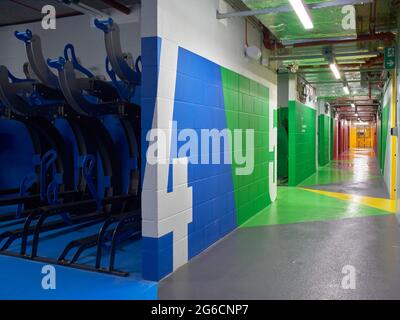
x=332 y=138
x=283 y=127
x=383 y=135
x=302 y=142
x=323 y=139
x=247 y=107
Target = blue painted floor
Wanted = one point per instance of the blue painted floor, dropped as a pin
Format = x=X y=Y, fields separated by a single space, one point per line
x=22 y=279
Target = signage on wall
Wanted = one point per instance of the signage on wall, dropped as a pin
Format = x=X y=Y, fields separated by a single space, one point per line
x=390 y=58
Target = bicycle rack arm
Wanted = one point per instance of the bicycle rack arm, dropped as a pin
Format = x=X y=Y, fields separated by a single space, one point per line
x=9 y=93
x=42 y=214
x=114 y=50
x=104 y=231
x=43 y=217
x=84 y=243
x=82 y=206
x=131 y=220
x=100 y=239
x=36 y=58
x=39 y=227
x=72 y=89
x=134 y=154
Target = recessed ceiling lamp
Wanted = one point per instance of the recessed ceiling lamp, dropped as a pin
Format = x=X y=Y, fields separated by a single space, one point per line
x=302 y=13
x=335 y=70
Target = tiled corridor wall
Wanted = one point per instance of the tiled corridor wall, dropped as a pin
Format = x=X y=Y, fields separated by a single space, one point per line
x=302 y=142
x=324 y=129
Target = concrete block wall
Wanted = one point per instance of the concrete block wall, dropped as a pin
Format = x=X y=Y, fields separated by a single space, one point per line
x=195 y=78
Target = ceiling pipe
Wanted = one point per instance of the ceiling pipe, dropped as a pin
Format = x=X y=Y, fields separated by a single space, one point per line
x=84 y=8
x=383 y=36
x=341 y=65
x=328 y=70
x=346 y=105
x=354 y=100
x=118 y=6
x=373 y=61
x=271 y=44
x=351 y=109
x=320 y=56
x=363 y=110
x=341 y=81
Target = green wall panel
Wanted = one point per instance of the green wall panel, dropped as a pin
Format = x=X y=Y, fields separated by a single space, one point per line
x=283 y=151
x=302 y=142
x=384 y=133
x=379 y=139
x=247 y=107
x=323 y=139
x=332 y=140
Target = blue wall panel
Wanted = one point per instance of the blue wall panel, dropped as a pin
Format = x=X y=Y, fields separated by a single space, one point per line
x=199 y=105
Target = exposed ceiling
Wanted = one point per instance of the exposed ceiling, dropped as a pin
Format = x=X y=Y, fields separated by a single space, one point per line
x=358 y=53
x=13 y=12
x=286 y=27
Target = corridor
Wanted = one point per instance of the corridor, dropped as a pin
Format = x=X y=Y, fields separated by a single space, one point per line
x=341 y=216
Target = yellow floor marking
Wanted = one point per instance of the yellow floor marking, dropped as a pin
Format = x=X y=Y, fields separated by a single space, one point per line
x=378 y=203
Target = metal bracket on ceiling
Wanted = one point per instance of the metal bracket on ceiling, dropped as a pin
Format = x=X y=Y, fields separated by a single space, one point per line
x=327 y=52
x=84 y=8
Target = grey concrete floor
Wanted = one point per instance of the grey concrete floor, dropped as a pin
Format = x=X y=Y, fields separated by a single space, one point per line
x=296 y=261
x=370 y=188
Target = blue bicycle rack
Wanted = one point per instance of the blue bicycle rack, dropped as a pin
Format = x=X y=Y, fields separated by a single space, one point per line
x=103 y=115
x=25 y=185
x=46 y=166
x=88 y=168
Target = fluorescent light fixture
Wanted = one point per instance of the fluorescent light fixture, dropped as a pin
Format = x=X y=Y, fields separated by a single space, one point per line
x=353 y=105
x=302 y=13
x=335 y=70
x=346 y=90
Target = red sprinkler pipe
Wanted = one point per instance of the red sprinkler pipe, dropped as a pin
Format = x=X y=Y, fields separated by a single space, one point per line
x=118 y=6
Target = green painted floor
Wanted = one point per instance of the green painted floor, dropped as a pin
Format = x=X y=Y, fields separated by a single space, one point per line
x=295 y=204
